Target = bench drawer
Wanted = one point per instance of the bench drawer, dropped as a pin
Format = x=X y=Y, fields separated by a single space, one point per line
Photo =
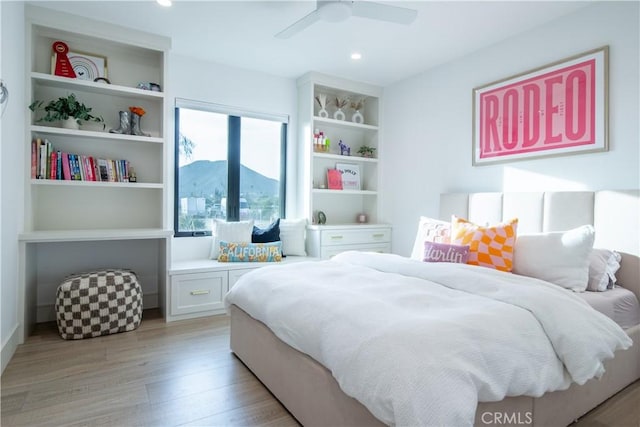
x=192 y=293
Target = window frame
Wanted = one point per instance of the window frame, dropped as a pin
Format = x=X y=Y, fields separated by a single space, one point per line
x=234 y=149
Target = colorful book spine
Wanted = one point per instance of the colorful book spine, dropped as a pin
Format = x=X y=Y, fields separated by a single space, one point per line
x=104 y=171
x=49 y=149
x=66 y=169
x=76 y=167
x=52 y=165
x=34 y=158
x=59 y=165
x=43 y=161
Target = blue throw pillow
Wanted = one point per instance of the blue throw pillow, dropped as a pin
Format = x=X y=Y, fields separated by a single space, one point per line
x=265 y=235
x=250 y=252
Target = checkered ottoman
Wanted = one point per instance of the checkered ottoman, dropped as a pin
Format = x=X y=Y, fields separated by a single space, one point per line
x=98 y=303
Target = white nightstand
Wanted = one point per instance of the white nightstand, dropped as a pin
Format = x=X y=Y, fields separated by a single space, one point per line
x=325 y=241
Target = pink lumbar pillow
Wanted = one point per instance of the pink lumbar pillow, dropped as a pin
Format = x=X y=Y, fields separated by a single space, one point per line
x=444 y=252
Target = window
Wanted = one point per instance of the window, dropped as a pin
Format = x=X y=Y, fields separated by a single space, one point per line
x=230 y=164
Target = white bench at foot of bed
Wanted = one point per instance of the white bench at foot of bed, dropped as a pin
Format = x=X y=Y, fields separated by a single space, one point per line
x=197 y=287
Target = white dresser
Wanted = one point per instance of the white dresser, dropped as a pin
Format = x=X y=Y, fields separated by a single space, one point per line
x=325 y=241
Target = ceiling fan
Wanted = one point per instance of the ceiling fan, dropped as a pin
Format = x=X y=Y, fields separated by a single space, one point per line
x=340 y=10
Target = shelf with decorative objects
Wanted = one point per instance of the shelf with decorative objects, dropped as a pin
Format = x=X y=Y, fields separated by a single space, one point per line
x=93 y=71
x=122 y=125
x=339 y=129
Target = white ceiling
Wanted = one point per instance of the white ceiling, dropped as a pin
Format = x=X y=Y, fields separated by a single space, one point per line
x=240 y=33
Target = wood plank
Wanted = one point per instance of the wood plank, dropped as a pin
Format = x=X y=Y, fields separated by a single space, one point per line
x=167 y=374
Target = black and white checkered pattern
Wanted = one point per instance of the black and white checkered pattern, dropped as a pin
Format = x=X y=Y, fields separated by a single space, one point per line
x=98 y=303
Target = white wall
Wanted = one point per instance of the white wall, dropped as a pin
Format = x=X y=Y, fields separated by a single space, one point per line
x=235 y=87
x=428 y=133
x=12 y=71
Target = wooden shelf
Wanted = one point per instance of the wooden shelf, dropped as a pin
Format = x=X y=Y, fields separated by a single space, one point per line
x=340 y=158
x=50 y=80
x=345 y=192
x=94 y=235
x=344 y=124
x=73 y=133
x=70 y=183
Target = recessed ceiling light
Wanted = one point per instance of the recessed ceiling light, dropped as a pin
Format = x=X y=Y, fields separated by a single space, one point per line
x=356 y=55
x=165 y=3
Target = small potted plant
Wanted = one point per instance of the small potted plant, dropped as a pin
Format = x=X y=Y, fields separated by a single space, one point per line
x=366 y=151
x=66 y=109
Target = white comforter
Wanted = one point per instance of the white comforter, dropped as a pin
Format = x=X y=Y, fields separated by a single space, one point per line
x=421 y=343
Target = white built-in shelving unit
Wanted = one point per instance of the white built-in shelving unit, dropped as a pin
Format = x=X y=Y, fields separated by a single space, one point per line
x=341 y=207
x=109 y=223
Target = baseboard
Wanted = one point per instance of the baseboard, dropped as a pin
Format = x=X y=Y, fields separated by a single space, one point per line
x=46 y=312
x=9 y=347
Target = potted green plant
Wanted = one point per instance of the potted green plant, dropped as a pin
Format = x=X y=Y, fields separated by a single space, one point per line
x=66 y=109
x=366 y=151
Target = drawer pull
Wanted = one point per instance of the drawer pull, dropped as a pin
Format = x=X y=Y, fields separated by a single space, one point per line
x=200 y=292
x=378 y=235
x=336 y=237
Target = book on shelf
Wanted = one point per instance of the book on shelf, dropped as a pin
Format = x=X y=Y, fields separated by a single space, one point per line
x=49 y=163
x=334 y=179
x=59 y=165
x=34 y=152
x=66 y=168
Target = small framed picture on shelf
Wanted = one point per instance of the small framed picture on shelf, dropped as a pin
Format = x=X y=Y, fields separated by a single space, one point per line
x=350 y=175
x=85 y=66
x=334 y=179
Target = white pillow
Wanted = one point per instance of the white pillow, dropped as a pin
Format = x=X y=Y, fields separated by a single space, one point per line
x=430 y=230
x=603 y=265
x=235 y=232
x=292 y=233
x=557 y=257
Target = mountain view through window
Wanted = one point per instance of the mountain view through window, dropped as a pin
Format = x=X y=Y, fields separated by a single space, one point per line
x=227 y=167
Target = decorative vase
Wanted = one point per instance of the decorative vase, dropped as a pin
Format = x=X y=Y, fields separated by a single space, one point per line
x=125 y=124
x=70 y=123
x=339 y=114
x=321 y=98
x=135 y=125
x=357 y=117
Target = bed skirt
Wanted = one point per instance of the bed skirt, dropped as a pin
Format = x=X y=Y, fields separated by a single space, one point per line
x=309 y=391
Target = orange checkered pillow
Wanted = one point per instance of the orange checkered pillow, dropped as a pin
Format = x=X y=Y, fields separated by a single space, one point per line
x=490 y=246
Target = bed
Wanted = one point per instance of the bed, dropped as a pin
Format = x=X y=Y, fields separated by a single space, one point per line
x=312 y=394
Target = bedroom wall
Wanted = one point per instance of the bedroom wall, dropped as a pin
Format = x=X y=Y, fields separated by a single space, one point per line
x=245 y=89
x=427 y=120
x=11 y=192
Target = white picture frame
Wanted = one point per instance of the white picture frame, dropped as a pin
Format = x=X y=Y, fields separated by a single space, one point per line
x=350 y=176
x=88 y=66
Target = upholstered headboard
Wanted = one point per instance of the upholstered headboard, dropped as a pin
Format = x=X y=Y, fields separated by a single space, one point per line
x=615 y=215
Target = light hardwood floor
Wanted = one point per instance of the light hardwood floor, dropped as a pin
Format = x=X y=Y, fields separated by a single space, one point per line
x=166 y=374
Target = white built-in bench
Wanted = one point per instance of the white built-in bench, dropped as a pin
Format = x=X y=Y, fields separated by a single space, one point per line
x=197 y=284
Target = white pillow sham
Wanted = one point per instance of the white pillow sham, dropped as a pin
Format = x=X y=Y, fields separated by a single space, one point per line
x=561 y=257
x=430 y=230
x=603 y=265
x=235 y=232
x=292 y=235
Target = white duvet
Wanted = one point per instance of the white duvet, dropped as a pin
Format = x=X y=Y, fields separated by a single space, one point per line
x=421 y=343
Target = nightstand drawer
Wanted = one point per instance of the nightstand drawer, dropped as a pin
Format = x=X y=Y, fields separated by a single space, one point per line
x=191 y=293
x=354 y=237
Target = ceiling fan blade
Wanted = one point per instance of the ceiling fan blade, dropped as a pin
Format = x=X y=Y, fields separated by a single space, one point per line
x=299 y=25
x=383 y=12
